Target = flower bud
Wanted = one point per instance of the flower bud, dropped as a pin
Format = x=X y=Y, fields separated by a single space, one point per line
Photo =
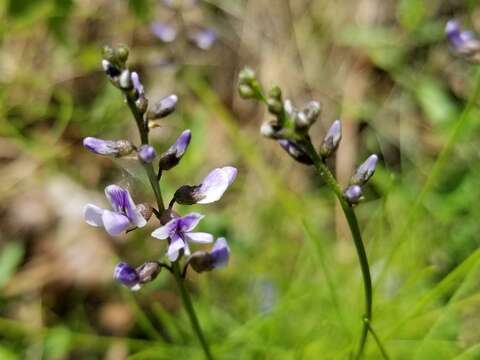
x=295 y=151
x=111 y=70
x=353 y=194
x=364 y=171
x=332 y=139
x=122 y=53
x=163 y=107
x=201 y=261
x=464 y=43
x=312 y=111
x=148 y=271
x=247 y=76
x=137 y=85
x=301 y=121
x=187 y=195
x=173 y=155
x=274 y=101
x=125 y=80
x=271 y=129
x=245 y=91
x=127 y=276
x=146 y=154
x=108 y=147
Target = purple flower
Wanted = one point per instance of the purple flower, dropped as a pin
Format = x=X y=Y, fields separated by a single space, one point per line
x=332 y=139
x=463 y=42
x=210 y=190
x=163 y=107
x=137 y=85
x=172 y=156
x=163 y=31
x=204 y=39
x=127 y=276
x=353 y=194
x=364 y=171
x=205 y=261
x=124 y=215
x=108 y=147
x=295 y=151
x=146 y=153
x=179 y=230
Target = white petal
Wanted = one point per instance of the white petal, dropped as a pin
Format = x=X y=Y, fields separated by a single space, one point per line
x=200 y=237
x=93 y=215
x=165 y=231
x=213 y=186
x=231 y=173
x=115 y=223
x=174 y=248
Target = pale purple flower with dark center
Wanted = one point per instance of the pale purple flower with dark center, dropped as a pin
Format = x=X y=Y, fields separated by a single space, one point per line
x=124 y=215
x=217 y=257
x=295 y=151
x=146 y=153
x=179 y=230
x=127 y=276
x=463 y=42
x=108 y=147
x=172 y=156
x=137 y=85
x=210 y=190
x=204 y=38
x=163 y=31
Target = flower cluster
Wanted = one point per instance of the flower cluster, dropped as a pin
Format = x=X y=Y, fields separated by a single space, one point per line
x=290 y=128
x=464 y=43
x=125 y=215
x=168 y=31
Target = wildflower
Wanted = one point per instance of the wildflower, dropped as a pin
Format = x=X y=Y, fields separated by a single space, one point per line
x=210 y=190
x=206 y=261
x=179 y=230
x=127 y=276
x=364 y=171
x=172 y=156
x=353 y=194
x=124 y=215
x=163 y=31
x=148 y=271
x=146 y=154
x=463 y=42
x=137 y=85
x=332 y=139
x=165 y=106
x=204 y=38
x=108 y=147
x=295 y=151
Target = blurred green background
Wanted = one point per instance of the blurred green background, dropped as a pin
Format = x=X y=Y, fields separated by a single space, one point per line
x=293 y=288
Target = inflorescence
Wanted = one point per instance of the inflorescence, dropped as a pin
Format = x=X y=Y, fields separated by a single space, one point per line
x=125 y=215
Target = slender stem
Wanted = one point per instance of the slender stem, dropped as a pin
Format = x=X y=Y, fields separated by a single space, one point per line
x=187 y=302
x=377 y=340
x=357 y=239
x=174 y=269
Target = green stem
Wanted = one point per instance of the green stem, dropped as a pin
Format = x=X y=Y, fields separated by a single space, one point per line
x=329 y=179
x=377 y=340
x=143 y=130
x=187 y=302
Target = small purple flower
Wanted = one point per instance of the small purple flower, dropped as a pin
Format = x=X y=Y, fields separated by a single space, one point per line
x=124 y=215
x=137 y=85
x=204 y=39
x=205 y=261
x=210 y=190
x=463 y=42
x=353 y=194
x=332 y=139
x=108 y=147
x=146 y=153
x=127 y=276
x=179 y=230
x=172 y=156
x=163 y=31
x=295 y=151
x=364 y=171
x=163 y=107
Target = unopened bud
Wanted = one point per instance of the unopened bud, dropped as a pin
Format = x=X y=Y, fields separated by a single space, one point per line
x=172 y=156
x=146 y=154
x=148 y=271
x=247 y=76
x=163 y=107
x=111 y=70
x=122 y=52
x=245 y=91
x=301 y=121
x=187 y=195
x=332 y=139
x=364 y=171
x=271 y=129
x=295 y=151
x=353 y=194
x=125 y=80
x=201 y=261
x=108 y=147
x=312 y=111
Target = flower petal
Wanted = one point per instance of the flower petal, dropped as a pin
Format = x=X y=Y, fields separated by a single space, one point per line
x=199 y=237
x=165 y=231
x=188 y=222
x=213 y=186
x=126 y=275
x=115 y=223
x=220 y=253
x=100 y=146
x=231 y=173
x=174 y=249
x=122 y=203
x=93 y=215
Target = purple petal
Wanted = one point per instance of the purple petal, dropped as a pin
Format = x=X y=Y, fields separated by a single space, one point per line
x=122 y=203
x=126 y=275
x=199 y=237
x=93 y=215
x=188 y=222
x=163 y=31
x=136 y=83
x=214 y=185
x=165 y=231
x=146 y=154
x=174 y=248
x=220 y=253
x=115 y=223
x=204 y=39
x=181 y=144
x=100 y=147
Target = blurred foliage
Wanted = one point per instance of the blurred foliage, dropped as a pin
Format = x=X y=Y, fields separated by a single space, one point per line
x=293 y=289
